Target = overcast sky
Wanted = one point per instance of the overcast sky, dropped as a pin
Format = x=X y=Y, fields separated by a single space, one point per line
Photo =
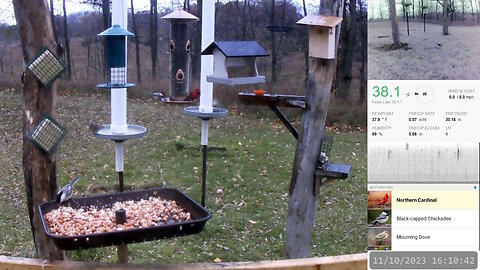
x=73 y=6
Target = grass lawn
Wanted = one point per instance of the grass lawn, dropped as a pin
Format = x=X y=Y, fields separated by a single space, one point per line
x=247 y=183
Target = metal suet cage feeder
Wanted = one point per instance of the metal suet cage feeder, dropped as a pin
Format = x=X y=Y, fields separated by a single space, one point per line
x=326 y=145
x=47 y=134
x=115 y=50
x=46 y=67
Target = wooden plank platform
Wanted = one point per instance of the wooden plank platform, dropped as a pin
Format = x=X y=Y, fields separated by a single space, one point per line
x=293 y=101
x=343 y=262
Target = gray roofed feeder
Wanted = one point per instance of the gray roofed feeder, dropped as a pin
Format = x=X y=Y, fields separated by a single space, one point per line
x=233 y=58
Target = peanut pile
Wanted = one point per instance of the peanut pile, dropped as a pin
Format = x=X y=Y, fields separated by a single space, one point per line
x=67 y=221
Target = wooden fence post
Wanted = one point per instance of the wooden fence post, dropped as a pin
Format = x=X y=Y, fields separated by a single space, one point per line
x=302 y=203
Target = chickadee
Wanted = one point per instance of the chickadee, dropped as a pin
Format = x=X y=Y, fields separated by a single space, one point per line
x=381 y=219
x=323 y=161
x=65 y=193
x=94 y=127
x=381 y=236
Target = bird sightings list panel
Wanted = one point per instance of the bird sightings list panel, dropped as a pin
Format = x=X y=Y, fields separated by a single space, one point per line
x=423 y=173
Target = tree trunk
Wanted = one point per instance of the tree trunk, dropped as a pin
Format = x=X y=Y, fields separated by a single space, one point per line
x=137 y=44
x=392 y=9
x=305 y=55
x=413 y=9
x=344 y=78
x=363 y=53
x=52 y=17
x=273 y=42
x=106 y=25
x=153 y=36
x=445 y=17
x=244 y=20
x=35 y=29
x=67 y=42
x=302 y=202
x=89 y=43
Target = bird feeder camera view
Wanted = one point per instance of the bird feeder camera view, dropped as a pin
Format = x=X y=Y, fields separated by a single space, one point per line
x=423 y=40
x=184 y=134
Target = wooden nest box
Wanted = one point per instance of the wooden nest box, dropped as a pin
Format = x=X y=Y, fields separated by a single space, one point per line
x=321 y=35
x=234 y=62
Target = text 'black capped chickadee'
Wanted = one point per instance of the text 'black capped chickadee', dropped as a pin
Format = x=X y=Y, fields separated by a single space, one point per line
x=66 y=192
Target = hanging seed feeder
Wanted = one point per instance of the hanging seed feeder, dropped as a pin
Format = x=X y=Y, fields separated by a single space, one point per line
x=116 y=53
x=46 y=67
x=180 y=46
x=47 y=134
x=115 y=49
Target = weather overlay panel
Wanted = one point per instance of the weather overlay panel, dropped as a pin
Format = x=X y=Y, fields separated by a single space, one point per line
x=423 y=174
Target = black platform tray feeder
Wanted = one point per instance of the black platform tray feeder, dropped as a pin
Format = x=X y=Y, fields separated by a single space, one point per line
x=199 y=216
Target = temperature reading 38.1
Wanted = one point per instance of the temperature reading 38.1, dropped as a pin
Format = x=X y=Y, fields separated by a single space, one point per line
x=382 y=91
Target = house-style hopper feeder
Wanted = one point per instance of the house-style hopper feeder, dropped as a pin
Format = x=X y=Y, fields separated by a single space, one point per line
x=234 y=62
x=321 y=35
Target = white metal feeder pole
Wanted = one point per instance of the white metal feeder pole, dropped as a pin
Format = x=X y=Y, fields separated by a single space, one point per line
x=206 y=88
x=208 y=35
x=119 y=95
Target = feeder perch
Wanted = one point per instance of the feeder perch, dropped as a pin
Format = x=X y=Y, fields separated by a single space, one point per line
x=234 y=62
x=321 y=35
x=46 y=67
x=47 y=134
x=115 y=50
x=195 y=111
x=133 y=132
x=180 y=46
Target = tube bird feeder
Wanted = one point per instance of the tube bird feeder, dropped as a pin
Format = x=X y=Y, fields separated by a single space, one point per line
x=179 y=51
x=116 y=52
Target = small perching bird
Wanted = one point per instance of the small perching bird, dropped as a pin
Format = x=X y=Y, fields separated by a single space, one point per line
x=383 y=201
x=381 y=219
x=66 y=192
x=381 y=236
x=94 y=127
x=323 y=161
